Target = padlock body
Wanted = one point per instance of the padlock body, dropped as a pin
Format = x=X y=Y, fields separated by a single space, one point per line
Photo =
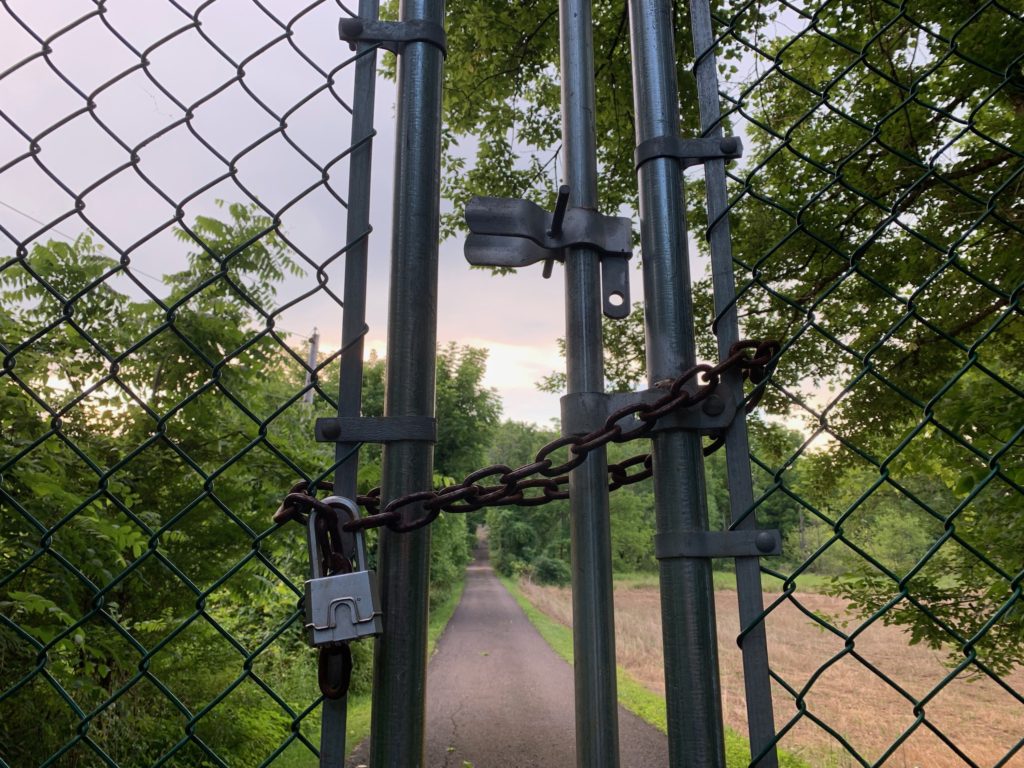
x=345 y=606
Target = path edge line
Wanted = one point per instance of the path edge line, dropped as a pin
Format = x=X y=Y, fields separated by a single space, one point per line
x=633 y=696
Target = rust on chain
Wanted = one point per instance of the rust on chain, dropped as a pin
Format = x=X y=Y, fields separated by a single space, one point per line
x=298 y=497
x=334 y=670
x=541 y=480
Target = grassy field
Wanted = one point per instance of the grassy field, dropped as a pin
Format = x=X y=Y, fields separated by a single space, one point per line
x=638 y=699
x=980 y=718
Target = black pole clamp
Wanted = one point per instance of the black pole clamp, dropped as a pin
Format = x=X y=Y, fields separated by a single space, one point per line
x=393 y=35
x=688 y=151
x=585 y=412
x=748 y=542
x=364 y=429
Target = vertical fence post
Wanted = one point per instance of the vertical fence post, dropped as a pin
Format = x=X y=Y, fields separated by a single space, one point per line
x=597 y=732
x=692 y=688
x=400 y=663
x=353 y=326
x=760 y=718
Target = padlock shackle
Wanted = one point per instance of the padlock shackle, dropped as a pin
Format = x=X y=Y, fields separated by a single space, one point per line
x=342 y=604
x=337 y=534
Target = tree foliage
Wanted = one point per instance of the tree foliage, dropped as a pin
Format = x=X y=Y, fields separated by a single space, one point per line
x=877 y=230
x=144 y=443
x=141 y=459
x=467 y=416
x=518 y=537
x=884 y=242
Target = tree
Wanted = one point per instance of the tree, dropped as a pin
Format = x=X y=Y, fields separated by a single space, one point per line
x=876 y=224
x=467 y=416
x=470 y=411
x=144 y=445
x=518 y=536
x=893 y=254
x=141 y=456
x=535 y=539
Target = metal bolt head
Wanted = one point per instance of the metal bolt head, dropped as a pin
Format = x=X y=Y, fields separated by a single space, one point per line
x=765 y=541
x=713 y=405
x=351 y=28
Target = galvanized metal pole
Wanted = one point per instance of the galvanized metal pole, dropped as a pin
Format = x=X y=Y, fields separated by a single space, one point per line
x=400 y=663
x=692 y=689
x=760 y=717
x=350 y=380
x=597 y=731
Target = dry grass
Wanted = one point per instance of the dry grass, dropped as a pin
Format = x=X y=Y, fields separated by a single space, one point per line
x=979 y=717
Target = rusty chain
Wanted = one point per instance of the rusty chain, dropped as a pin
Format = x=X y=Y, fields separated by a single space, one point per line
x=541 y=481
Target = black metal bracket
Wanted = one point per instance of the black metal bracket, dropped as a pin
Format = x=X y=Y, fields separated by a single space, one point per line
x=389 y=429
x=393 y=35
x=511 y=233
x=584 y=412
x=712 y=544
x=688 y=151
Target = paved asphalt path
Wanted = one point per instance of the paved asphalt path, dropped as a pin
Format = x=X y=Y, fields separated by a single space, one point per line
x=499 y=697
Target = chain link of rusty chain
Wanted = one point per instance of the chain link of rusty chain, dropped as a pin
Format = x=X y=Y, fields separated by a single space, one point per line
x=541 y=481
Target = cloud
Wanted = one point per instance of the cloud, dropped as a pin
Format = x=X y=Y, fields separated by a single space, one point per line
x=238 y=114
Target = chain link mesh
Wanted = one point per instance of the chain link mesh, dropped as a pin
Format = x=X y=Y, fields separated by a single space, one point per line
x=151 y=398
x=877 y=224
x=173 y=213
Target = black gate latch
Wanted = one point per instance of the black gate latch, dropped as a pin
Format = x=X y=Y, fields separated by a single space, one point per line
x=507 y=232
x=393 y=35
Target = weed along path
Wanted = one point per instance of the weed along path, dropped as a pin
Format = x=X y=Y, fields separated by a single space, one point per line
x=499 y=697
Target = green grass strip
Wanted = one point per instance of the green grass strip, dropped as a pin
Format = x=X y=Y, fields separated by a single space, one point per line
x=645 y=704
x=359 y=707
x=805 y=582
x=357 y=720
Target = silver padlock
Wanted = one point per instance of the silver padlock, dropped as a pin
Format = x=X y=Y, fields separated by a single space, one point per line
x=341 y=606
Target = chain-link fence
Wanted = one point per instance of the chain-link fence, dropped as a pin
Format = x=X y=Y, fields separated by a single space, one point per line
x=173 y=200
x=877 y=229
x=173 y=207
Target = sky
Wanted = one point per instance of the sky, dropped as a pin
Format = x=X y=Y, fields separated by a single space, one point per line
x=134 y=112
x=102 y=119
x=517 y=317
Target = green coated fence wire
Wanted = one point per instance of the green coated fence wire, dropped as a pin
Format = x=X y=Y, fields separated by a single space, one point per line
x=877 y=227
x=162 y=224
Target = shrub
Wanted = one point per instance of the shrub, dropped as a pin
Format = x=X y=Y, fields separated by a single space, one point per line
x=548 y=570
